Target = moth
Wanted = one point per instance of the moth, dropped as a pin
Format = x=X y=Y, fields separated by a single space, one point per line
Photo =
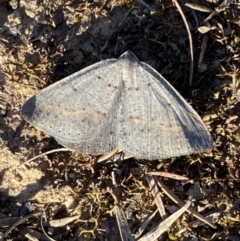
x=121 y=103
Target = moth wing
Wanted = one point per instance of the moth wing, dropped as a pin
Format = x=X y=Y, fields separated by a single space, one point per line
x=80 y=110
x=161 y=123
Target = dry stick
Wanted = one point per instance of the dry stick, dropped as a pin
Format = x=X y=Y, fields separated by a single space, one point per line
x=190 y=40
x=178 y=201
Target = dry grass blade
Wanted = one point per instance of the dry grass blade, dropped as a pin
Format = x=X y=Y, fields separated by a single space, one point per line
x=110 y=154
x=178 y=201
x=164 y=225
x=123 y=227
x=45 y=153
x=190 y=40
x=62 y=222
x=212 y=216
x=156 y=194
x=169 y=175
x=145 y=224
x=219 y=9
x=198 y=7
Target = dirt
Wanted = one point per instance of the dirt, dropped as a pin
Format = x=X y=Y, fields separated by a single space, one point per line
x=43 y=41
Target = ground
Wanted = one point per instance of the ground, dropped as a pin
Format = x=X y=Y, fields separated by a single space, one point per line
x=43 y=41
